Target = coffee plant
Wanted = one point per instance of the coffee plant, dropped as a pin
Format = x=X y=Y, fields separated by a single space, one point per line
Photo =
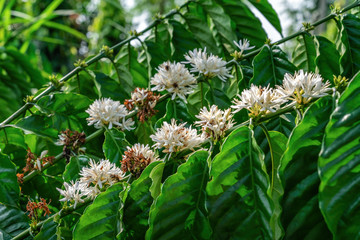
x=205 y=130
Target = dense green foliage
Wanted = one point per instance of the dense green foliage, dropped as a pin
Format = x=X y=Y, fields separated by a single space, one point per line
x=292 y=174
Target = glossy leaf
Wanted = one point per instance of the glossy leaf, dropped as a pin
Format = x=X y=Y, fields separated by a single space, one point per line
x=301 y=217
x=269 y=13
x=101 y=219
x=350 y=45
x=339 y=166
x=270 y=66
x=114 y=145
x=305 y=53
x=327 y=58
x=137 y=205
x=238 y=202
x=74 y=167
x=48 y=230
x=9 y=187
x=12 y=221
x=179 y=211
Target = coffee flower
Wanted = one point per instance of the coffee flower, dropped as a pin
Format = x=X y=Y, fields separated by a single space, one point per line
x=214 y=122
x=176 y=138
x=74 y=192
x=174 y=78
x=101 y=174
x=137 y=158
x=208 y=65
x=106 y=112
x=303 y=87
x=258 y=101
x=144 y=101
x=243 y=45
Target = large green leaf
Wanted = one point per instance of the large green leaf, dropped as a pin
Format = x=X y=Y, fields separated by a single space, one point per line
x=339 y=194
x=114 y=145
x=12 y=136
x=9 y=187
x=238 y=203
x=48 y=230
x=201 y=32
x=350 y=45
x=247 y=24
x=179 y=211
x=137 y=205
x=39 y=125
x=270 y=66
x=305 y=53
x=12 y=221
x=301 y=216
x=269 y=13
x=101 y=219
x=327 y=58
x=222 y=23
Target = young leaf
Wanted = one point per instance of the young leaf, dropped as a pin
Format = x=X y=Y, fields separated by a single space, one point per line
x=179 y=211
x=339 y=166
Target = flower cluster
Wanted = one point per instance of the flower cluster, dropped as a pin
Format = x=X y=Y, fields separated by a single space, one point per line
x=258 y=101
x=208 y=65
x=174 y=78
x=137 y=158
x=175 y=138
x=144 y=101
x=36 y=210
x=71 y=140
x=34 y=162
x=243 y=45
x=214 y=122
x=106 y=112
x=93 y=180
x=300 y=88
x=303 y=87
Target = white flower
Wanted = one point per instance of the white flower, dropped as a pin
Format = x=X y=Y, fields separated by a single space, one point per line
x=258 y=100
x=215 y=122
x=74 y=192
x=105 y=112
x=243 y=46
x=175 y=138
x=174 y=78
x=303 y=87
x=137 y=158
x=101 y=174
x=209 y=65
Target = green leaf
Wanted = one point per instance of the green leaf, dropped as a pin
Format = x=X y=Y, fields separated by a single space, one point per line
x=237 y=194
x=327 y=58
x=143 y=132
x=12 y=221
x=301 y=216
x=110 y=88
x=114 y=145
x=305 y=53
x=137 y=205
x=39 y=125
x=101 y=219
x=222 y=23
x=182 y=40
x=156 y=176
x=247 y=24
x=278 y=145
x=269 y=13
x=9 y=187
x=74 y=167
x=179 y=211
x=48 y=230
x=339 y=166
x=12 y=136
x=201 y=32
x=270 y=66
x=350 y=45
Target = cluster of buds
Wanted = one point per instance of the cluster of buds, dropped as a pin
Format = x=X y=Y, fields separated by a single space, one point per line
x=37 y=210
x=72 y=141
x=144 y=101
x=34 y=162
